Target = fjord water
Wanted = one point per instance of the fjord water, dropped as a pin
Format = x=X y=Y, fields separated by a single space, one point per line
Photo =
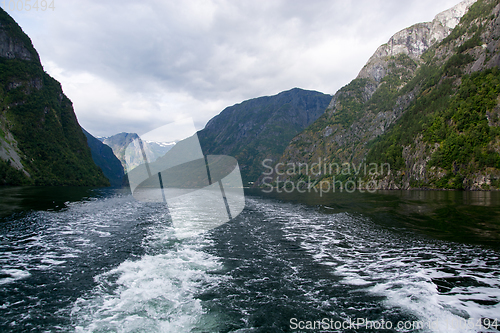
x=96 y=260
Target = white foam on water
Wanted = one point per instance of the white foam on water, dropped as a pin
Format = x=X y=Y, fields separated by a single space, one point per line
x=51 y=261
x=403 y=271
x=13 y=275
x=436 y=282
x=59 y=235
x=156 y=293
x=356 y=282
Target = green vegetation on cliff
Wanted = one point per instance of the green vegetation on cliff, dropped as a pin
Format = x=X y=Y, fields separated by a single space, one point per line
x=455 y=112
x=261 y=128
x=462 y=128
x=37 y=121
x=431 y=113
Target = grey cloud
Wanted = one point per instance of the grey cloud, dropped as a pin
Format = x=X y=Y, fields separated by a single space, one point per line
x=215 y=52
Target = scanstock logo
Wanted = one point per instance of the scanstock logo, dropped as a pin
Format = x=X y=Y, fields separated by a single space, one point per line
x=201 y=192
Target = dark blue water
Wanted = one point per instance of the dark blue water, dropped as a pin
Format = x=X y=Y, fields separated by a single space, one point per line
x=96 y=260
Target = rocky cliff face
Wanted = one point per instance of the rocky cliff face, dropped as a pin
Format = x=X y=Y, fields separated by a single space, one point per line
x=414 y=41
x=417 y=84
x=119 y=143
x=40 y=138
x=457 y=145
x=14 y=44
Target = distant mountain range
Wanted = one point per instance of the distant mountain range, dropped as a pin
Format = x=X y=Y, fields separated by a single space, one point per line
x=250 y=131
x=119 y=143
x=426 y=104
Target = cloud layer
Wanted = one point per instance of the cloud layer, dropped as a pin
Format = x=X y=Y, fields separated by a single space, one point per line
x=135 y=65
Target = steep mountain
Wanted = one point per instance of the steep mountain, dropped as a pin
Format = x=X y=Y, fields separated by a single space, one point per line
x=103 y=157
x=41 y=140
x=251 y=131
x=119 y=143
x=261 y=128
x=425 y=106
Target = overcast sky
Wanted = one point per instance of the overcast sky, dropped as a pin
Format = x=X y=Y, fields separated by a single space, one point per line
x=132 y=66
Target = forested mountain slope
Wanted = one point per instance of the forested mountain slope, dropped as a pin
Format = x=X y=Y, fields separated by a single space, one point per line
x=426 y=104
x=261 y=128
x=41 y=142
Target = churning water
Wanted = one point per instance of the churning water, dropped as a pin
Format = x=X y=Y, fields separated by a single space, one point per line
x=103 y=262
